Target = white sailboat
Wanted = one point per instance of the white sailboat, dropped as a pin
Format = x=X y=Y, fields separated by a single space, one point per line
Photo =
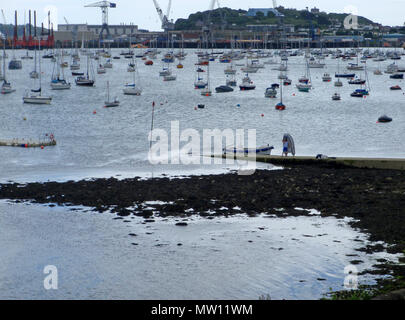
x=87 y=81
x=206 y=92
x=132 y=89
x=34 y=74
x=58 y=81
x=6 y=86
x=35 y=96
x=169 y=76
x=338 y=83
x=108 y=103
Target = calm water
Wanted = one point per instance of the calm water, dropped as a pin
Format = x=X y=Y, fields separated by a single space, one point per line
x=94 y=254
x=96 y=258
x=115 y=140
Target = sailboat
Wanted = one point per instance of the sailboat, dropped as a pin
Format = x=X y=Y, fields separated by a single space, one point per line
x=305 y=86
x=131 y=65
x=338 y=83
x=281 y=106
x=86 y=81
x=58 y=81
x=6 y=86
x=35 y=96
x=200 y=83
x=34 y=74
x=361 y=92
x=2 y=74
x=207 y=91
x=101 y=69
x=169 y=76
x=14 y=63
x=132 y=89
x=108 y=103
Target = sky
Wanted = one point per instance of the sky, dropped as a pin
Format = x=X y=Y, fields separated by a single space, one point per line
x=143 y=12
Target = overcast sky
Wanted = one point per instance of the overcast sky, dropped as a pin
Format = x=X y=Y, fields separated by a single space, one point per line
x=143 y=13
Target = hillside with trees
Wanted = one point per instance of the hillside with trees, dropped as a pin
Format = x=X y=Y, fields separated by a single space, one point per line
x=238 y=19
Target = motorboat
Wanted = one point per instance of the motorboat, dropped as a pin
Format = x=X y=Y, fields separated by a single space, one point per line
x=270 y=93
x=75 y=66
x=357 y=81
x=338 y=83
x=247 y=84
x=336 y=97
x=287 y=82
x=326 y=77
x=34 y=75
x=354 y=66
x=101 y=69
x=345 y=75
x=165 y=72
x=384 y=119
x=302 y=87
x=108 y=64
x=396 y=88
x=15 y=64
x=264 y=150
x=223 y=89
x=359 y=93
x=397 y=76
x=169 y=78
x=303 y=80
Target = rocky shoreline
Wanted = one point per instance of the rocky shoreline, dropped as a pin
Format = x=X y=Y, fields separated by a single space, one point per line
x=375 y=199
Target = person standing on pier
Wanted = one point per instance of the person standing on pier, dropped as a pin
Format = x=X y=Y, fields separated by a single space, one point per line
x=285 y=147
x=288 y=145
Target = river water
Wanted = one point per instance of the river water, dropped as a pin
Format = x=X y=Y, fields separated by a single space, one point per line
x=116 y=140
x=234 y=258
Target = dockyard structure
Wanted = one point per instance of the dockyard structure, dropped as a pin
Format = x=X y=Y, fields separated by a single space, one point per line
x=92 y=32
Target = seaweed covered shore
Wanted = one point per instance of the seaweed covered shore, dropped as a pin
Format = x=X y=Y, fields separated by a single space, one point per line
x=375 y=199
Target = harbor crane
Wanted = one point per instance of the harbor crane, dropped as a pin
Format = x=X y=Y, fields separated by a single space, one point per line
x=167 y=25
x=104 y=5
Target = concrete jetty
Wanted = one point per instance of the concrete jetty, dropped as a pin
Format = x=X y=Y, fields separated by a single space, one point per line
x=370 y=163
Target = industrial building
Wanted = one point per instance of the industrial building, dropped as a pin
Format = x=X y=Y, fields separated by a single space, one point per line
x=92 y=32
